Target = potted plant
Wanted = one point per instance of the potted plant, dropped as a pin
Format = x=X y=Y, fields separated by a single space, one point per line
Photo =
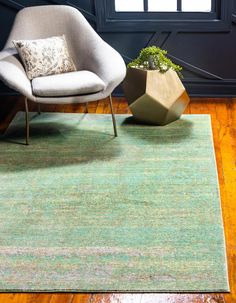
x=153 y=88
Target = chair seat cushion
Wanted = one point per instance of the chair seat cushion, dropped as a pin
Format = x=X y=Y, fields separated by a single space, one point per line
x=68 y=84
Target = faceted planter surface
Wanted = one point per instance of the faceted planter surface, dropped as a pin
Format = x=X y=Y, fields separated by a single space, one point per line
x=154 y=97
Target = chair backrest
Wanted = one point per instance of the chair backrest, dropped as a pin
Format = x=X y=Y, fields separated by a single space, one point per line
x=54 y=20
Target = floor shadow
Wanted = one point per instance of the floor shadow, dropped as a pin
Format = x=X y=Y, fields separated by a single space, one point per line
x=174 y=132
x=54 y=145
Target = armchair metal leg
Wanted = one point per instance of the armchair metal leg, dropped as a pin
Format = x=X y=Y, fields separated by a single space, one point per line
x=39 y=109
x=86 y=108
x=113 y=117
x=26 y=122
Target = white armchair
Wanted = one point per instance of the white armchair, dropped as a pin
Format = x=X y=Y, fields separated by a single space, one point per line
x=89 y=52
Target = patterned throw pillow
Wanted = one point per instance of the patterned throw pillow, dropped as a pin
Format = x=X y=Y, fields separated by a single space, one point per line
x=44 y=57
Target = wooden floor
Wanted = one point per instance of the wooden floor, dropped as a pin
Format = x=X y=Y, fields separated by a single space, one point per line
x=223 y=114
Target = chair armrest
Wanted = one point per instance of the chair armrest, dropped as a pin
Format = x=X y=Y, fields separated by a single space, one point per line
x=7 y=52
x=12 y=73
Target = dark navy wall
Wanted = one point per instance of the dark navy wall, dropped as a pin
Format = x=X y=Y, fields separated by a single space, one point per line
x=208 y=58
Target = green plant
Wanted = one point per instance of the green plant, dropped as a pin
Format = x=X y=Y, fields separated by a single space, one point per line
x=154 y=58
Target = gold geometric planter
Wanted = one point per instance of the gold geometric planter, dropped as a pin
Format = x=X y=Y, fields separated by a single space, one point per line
x=154 y=97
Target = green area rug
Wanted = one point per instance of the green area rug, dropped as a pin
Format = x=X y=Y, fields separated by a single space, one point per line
x=83 y=211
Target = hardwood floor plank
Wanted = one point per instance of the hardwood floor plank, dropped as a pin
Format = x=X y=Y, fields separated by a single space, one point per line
x=81 y=298
x=116 y=103
x=182 y=298
x=231 y=107
x=116 y=298
x=48 y=107
x=106 y=108
x=93 y=107
x=226 y=131
x=7 y=298
x=100 y=107
x=25 y=298
x=62 y=298
x=123 y=107
x=39 y=298
x=187 y=110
